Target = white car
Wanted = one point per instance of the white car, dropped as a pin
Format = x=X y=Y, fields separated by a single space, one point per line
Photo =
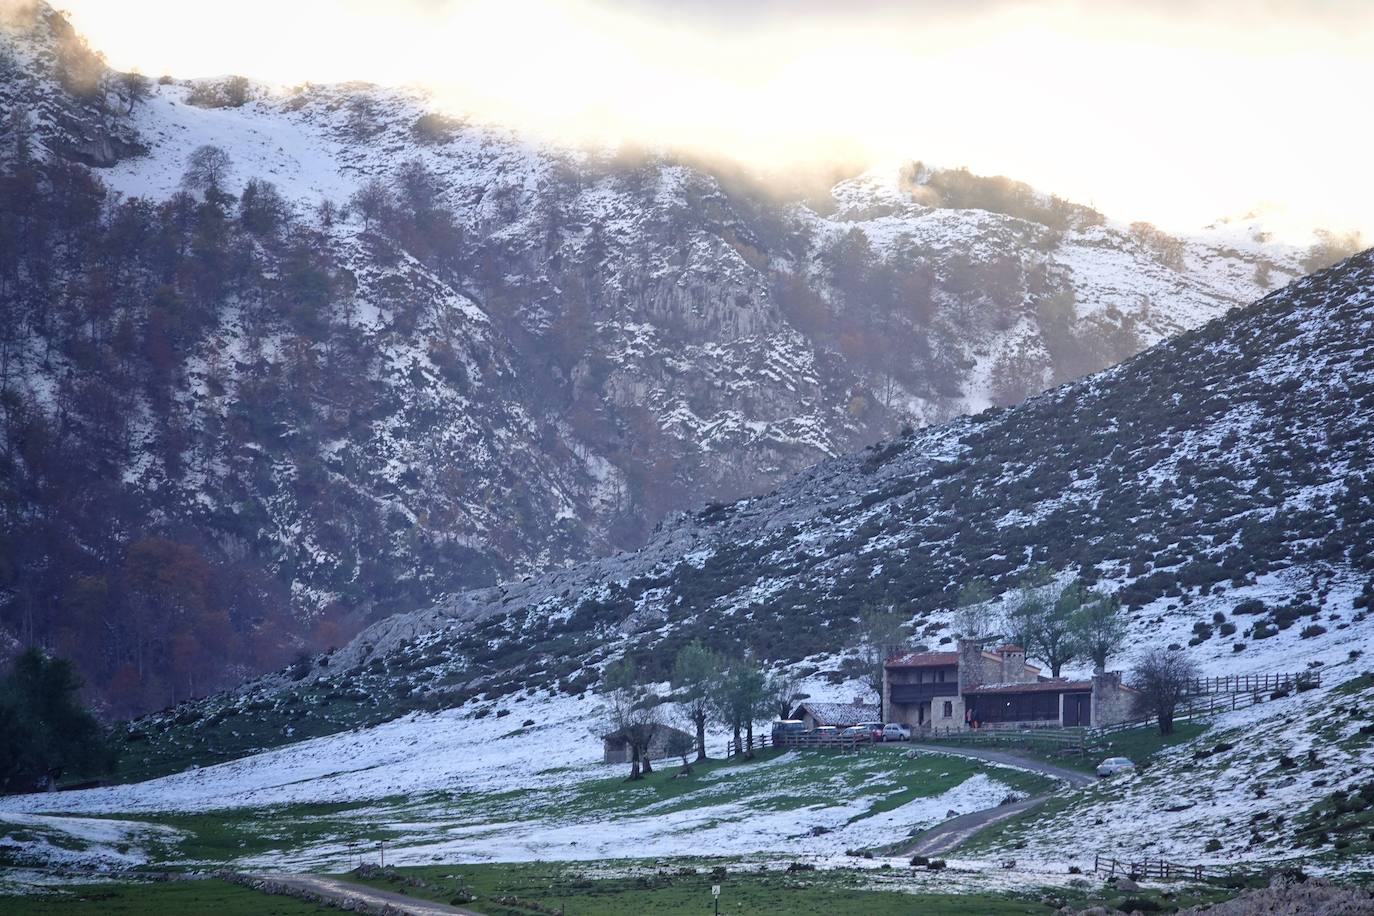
x=1114 y=765
x=896 y=731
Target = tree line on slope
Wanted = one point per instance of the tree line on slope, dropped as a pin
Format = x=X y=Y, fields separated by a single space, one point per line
x=109 y=445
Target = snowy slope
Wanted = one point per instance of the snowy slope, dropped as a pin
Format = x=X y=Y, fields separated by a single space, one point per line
x=1217 y=483
x=1256 y=787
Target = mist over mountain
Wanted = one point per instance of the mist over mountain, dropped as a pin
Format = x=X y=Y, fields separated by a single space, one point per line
x=362 y=355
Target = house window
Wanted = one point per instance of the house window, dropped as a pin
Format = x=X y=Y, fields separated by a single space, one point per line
x=940 y=675
x=949 y=709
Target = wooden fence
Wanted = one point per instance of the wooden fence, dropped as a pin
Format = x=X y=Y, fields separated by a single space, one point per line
x=798 y=739
x=1198 y=705
x=1149 y=868
x=1252 y=683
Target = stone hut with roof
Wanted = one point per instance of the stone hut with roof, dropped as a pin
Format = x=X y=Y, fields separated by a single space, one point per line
x=840 y=715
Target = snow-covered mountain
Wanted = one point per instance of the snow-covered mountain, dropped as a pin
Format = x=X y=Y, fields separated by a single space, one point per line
x=449 y=355
x=1218 y=483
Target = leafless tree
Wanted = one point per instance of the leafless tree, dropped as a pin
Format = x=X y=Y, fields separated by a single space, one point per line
x=975 y=616
x=783 y=693
x=207 y=169
x=373 y=200
x=134 y=87
x=679 y=744
x=1163 y=677
x=632 y=714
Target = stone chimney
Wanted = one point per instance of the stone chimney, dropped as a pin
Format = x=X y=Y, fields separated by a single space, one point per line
x=971 y=672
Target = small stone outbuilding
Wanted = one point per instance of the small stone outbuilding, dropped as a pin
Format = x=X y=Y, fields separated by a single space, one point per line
x=615 y=749
x=840 y=715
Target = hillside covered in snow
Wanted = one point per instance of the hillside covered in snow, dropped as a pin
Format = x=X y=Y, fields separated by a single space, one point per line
x=1218 y=484
x=377 y=355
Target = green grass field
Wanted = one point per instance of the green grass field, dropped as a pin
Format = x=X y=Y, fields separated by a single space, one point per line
x=676 y=888
x=581 y=889
x=669 y=888
x=167 y=898
x=1139 y=744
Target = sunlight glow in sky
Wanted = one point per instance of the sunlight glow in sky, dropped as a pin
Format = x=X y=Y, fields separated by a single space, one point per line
x=1150 y=109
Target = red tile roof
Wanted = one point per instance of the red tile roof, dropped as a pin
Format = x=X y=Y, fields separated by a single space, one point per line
x=1009 y=647
x=922 y=660
x=1035 y=687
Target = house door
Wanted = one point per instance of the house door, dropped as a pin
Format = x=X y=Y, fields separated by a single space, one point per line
x=1077 y=709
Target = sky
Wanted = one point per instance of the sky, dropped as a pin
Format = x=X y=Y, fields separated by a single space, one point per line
x=1170 y=111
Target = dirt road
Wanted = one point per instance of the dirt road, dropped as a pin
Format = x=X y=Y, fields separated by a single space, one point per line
x=952 y=833
x=338 y=891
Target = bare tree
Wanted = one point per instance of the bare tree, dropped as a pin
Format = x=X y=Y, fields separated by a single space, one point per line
x=1018 y=619
x=1163 y=678
x=632 y=714
x=679 y=744
x=783 y=692
x=974 y=615
x=207 y=169
x=373 y=200
x=1099 y=628
x=134 y=87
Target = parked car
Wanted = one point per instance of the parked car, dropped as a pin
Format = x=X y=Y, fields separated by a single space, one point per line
x=896 y=731
x=858 y=732
x=788 y=727
x=875 y=729
x=1114 y=765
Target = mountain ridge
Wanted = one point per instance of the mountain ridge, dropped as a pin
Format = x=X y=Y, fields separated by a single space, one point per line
x=524 y=358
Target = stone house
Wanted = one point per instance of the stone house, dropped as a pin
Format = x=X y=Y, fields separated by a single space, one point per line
x=615 y=749
x=995 y=687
